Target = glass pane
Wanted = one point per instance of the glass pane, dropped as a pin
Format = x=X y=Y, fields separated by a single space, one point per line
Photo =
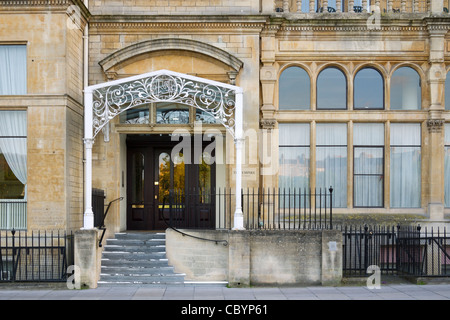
x=368 y=191
x=447 y=176
x=294 y=89
x=204 y=117
x=331 y=170
x=405 y=90
x=172 y=113
x=164 y=177
x=178 y=171
x=204 y=177
x=10 y=186
x=138 y=178
x=405 y=177
x=13 y=66
x=331 y=89
x=368 y=161
x=294 y=134
x=447 y=92
x=332 y=134
x=405 y=134
x=293 y=173
x=139 y=115
x=368 y=134
x=368 y=89
x=447 y=133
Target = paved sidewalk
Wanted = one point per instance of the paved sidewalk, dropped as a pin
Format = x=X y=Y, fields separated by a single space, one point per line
x=210 y=292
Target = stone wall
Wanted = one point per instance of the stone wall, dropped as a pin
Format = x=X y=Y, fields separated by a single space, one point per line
x=258 y=257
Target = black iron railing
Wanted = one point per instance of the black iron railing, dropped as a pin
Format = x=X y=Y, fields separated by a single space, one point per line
x=396 y=250
x=39 y=257
x=262 y=208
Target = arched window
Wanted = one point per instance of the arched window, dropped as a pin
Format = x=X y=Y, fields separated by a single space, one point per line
x=447 y=92
x=405 y=89
x=368 y=89
x=294 y=89
x=331 y=89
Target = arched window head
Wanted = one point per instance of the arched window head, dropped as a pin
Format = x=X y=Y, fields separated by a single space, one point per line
x=331 y=89
x=294 y=89
x=405 y=89
x=368 y=90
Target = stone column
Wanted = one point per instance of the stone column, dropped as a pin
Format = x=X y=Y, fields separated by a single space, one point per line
x=435 y=122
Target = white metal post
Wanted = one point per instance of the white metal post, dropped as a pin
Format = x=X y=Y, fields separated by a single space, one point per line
x=88 y=221
x=239 y=142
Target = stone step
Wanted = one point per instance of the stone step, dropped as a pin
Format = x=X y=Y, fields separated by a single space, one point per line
x=134 y=248
x=137 y=258
x=143 y=278
x=136 y=242
x=137 y=270
x=140 y=235
x=133 y=256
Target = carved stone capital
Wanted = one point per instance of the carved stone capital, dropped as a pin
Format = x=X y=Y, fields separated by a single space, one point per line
x=268 y=124
x=435 y=125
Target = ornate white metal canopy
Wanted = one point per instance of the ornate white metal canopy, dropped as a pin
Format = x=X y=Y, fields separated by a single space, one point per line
x=105 y=101
x=112 y=98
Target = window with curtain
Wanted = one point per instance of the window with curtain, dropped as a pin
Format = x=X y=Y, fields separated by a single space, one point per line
x=447 y=92
x=447 y=165
x=294 y=89
x=13 y=69
x=331 y=160
x=405 y=165
x=368 y=89
x=331 y=89
x=13 y=169
x=294 y=157
x=405 y=89
x=368 y=164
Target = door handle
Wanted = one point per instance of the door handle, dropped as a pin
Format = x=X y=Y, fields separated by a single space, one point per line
x=137 y=206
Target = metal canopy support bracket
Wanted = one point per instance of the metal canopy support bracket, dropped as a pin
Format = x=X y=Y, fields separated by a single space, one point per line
x=112 y=98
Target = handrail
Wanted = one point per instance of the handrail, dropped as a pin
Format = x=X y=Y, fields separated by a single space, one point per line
x=102 y=225
x=225 y=242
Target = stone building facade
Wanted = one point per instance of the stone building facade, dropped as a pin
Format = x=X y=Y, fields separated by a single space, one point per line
x=352 y=96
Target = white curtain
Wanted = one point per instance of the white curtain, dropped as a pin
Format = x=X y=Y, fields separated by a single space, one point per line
x=447 y=165
x=368 y=140
x=13 y=143
x=331 y=160
x=294 y=158
x=13 y=69
x=405 y=90
x=405 y=181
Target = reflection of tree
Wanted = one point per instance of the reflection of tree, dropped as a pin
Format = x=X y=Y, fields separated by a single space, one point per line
x=165 y=183
x=164 y=177
x=204 y=176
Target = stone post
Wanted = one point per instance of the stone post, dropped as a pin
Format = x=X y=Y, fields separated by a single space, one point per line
x=86 y=256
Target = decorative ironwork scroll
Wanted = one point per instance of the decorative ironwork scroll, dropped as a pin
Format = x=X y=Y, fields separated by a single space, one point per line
x=212 y=98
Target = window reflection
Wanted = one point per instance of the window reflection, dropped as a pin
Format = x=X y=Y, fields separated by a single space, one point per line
x=294 y=89
x=138 y=178
x=368 y=89
x=139 y=115
x=172 y=113
x=331 y=89
x=405 y=89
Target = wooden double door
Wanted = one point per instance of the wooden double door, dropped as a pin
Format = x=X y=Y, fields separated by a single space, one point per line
x=167 y=186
